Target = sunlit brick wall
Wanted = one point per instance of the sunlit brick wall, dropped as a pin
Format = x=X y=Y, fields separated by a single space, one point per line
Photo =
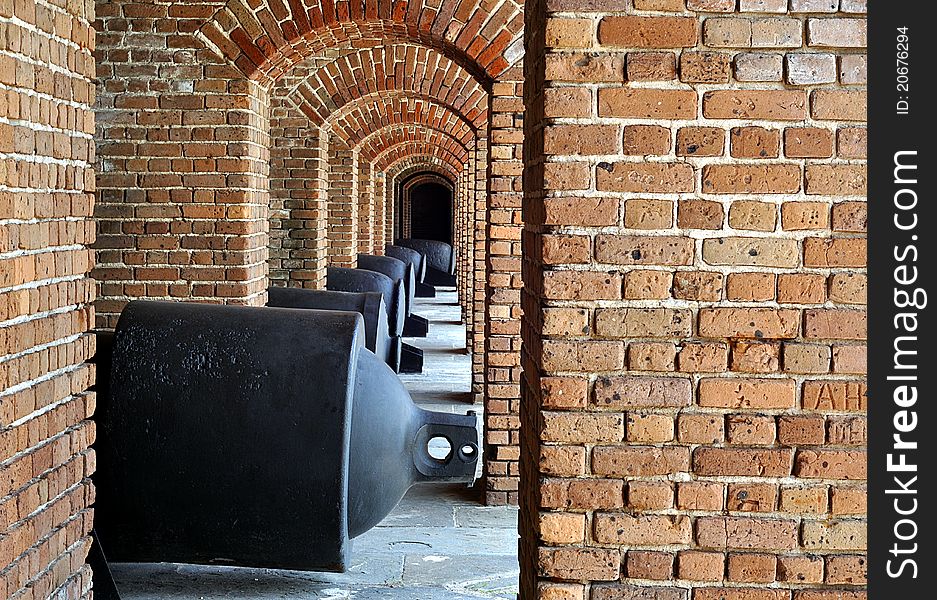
x=694 y=315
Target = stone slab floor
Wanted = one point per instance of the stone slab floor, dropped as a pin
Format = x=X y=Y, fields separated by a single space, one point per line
x=440 y=543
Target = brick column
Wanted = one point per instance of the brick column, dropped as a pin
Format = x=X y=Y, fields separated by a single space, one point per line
x=380 y=213
x=502 y=341
x=298 y=244
x=343 y=204
x=46 y=314
x=365 y=221
x=694 y=317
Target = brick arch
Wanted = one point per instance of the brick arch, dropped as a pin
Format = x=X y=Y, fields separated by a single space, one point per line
x=399 y=141
x=366 y=117
x=428 y=177
x=265 y=38
x=323 y=86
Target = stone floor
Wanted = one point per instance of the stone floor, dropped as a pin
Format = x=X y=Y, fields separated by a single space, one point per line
x=439 y=543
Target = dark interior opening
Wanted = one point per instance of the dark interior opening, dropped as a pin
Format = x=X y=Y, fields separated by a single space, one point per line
x=431 y=212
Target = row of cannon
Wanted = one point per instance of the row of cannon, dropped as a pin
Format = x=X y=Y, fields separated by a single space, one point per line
x=269 y=437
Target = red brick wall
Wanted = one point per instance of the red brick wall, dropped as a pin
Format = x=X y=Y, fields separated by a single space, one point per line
x=46 y=127
x=694 y=316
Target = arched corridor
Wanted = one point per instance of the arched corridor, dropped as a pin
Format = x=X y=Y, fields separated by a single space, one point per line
x=656 y=304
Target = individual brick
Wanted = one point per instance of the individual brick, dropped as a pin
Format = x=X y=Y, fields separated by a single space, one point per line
x=814 y=6
x=647 y=285
x=853 y=6
x=705 y=67
x=835 y=324
x=846 y=570
x=836 y=180
x=853 y=69
x=760 y=252
x=808 y=142
x=659 y=178
x=746 y=533
x=565 y=249
x=751 y=179
x=568 y=33
x=582 y=493
x=694 y=565
x=583 y=66
x=752 y=567
x=562 y=528
x=777 y=33
x=753 y=216
x=830 y=464
x=848 y=288
x=749 y=430
x=579 y=563
x=646 y=103
x=766 y=105
x=574 y=356
x=799 y=216
x=571 y=427
x=569 y=461
x=711 y=5
x=810 y=69
x=758 y=67
x=851 y=142
x=757 y=394
x=567 y=176
x=800 y=568
x=754 y=142
x=645 y=140
x=643 y=322
x=700 y=495
x=697 y=357
x=699 y=214
x=755 y=357
x=838 y=105
x=643 y=250
x=585 y=212
x=727 y=32
x=831 y=396
x=649 y=428
x=848 y=500
x=639 y=461
x=835 y=535
x=581 y=285
x=806 y=358
x=801 y=430
x=850 y=359
x=751 y=287
x=763 y=6
x=847 y=431
x=650 y=495
x=835 y=252
x=651 y=356
x=649 y=565
x=647 y=32
x=564 y=392
x=617 y=591
x=648 y=214
x=697 y=286
x=758 y=323
x=700 y=141
x=580 y=139
x=651 y=66
x=567 y=102
x=837 y=33
x=804 y=499
x=801 y=288
x=850 y=217
x=565 y=321
x=700 y=429
x=660 y=5
x=632 y=392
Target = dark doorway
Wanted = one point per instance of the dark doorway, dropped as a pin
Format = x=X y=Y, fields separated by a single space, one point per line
x=431 y=212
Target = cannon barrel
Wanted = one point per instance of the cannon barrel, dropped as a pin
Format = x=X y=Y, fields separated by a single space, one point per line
x=369 y=305
x=262 y=437
x=341 y=279
x=408 y=255
x=401 y=272
x=440 y=259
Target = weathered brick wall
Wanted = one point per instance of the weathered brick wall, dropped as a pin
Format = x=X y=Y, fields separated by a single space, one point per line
x=46 y=127
x=694 y=318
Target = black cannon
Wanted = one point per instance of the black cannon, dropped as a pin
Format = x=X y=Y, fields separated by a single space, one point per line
x=261 y=437
x=422 y=290
x=341 y=279
x=411 y=357
x=440 y=260
x=369 y=305
x=415 y=325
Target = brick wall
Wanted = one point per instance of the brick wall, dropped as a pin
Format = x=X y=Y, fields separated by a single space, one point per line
x=694 y=316
x=46 y=127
